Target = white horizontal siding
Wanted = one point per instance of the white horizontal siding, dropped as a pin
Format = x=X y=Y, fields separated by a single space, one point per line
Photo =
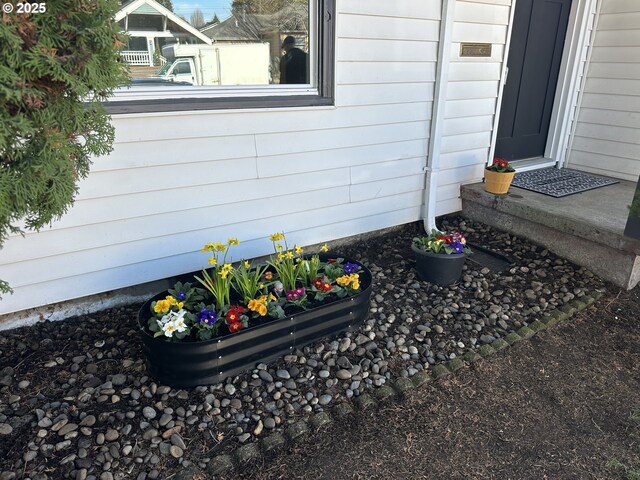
x=607 y=133
x=472 y=94
x=176 y=181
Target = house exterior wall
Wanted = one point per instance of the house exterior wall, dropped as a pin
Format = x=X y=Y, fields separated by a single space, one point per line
x=176 y=181
x=471 y=98
x=606 y=139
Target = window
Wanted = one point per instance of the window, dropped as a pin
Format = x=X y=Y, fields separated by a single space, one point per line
x=246 y=54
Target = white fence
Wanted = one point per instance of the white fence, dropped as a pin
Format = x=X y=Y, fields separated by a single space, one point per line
x=136 y=57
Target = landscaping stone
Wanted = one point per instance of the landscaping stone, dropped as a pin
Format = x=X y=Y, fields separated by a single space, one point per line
x=455 y=365
x=104 y=409
x=320 y=420
x=272 y=443
x=499 y=344
x=247 y=453
x=486 y=350
x=385 y=393
x=421 y=378
x=365 y=401
x=342 y=410
x=440 y=371
x=297 y=430
x=219 y=465
x=513 y=338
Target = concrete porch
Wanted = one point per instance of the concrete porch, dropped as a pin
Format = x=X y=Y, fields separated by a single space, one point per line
x=586 y=228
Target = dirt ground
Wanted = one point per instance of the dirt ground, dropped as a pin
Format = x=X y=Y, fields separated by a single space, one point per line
x=562 y=405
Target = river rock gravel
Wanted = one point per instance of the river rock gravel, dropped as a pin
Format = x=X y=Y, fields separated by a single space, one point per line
x=77 y=402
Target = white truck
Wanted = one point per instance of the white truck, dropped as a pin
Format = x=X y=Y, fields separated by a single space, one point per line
x=223 y=64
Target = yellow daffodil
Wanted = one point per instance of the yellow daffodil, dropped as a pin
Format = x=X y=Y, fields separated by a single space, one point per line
x=289 y=254
x=261 y=286
x=276 y=237
x=280 y=256
x=299 y=250
x=232 y=241
x=220 y=247
x=223 y=274
x=208 y=247
x=213 y=261
x=279 y=247
x=247 y=265
x=324 y=248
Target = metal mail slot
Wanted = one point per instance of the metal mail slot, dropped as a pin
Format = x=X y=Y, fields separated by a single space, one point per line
x=475 y=49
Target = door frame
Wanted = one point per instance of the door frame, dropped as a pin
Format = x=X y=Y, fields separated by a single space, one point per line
x=574 y=57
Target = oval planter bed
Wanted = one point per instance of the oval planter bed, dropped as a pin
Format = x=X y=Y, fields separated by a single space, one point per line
x=189 y=364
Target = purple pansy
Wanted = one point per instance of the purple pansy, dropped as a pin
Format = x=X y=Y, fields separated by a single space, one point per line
x=350 y=268
x=181 y=296
x=207 y=316
x=457 y=247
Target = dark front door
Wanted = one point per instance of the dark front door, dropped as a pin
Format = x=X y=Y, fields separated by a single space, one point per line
x=537 y=41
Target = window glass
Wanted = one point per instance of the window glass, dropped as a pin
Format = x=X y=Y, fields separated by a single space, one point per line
x=229 y=42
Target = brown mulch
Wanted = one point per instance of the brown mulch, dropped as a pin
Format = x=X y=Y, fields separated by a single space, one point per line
x=562 y=405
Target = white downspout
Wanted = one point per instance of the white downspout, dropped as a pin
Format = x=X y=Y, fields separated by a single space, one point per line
x=437 y=115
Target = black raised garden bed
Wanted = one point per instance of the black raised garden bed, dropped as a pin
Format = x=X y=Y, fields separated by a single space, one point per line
x=189 y=364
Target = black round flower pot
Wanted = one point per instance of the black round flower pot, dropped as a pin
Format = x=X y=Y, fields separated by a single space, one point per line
x=438 y=268
x=193 y=363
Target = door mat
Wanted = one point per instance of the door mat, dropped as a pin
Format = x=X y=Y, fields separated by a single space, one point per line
x=559 y=183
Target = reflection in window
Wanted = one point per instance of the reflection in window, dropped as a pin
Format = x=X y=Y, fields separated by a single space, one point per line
x=257 y=42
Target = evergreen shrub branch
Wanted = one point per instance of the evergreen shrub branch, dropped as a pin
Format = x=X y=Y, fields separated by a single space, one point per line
x=56 y=69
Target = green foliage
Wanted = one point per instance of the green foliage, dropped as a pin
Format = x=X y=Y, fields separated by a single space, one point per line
x=56 y=69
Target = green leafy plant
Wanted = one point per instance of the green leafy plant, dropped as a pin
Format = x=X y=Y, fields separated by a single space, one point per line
x=247 y=281
x=56 y=69
x=218 y=283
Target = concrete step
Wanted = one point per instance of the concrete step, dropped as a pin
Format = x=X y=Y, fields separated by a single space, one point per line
x=585 y=228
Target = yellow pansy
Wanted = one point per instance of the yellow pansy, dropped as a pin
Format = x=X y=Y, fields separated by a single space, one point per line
x=262 y=310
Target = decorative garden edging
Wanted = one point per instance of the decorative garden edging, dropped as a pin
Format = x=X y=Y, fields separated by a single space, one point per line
x=247 y=454
x=191 y=364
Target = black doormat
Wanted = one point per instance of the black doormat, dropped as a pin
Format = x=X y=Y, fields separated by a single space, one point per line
x=559 y=183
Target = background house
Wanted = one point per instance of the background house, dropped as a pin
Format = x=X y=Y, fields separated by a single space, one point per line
x=413 y=119
x=150 y=26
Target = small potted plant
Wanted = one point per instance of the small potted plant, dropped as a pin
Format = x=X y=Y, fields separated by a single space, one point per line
x=440 y=256
x=498 y=177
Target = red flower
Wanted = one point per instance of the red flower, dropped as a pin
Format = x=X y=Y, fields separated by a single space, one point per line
x=500 y=161
x=234 y=313
x=317 y=283
x=331 y=260
x=448 y=239
x=326 y=286
x=235 y=327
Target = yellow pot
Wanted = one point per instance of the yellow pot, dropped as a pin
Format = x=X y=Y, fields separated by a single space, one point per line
x=497 y=182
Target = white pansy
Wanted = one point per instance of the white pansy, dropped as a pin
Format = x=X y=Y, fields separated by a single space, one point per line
x=278 y=287
x=168 y=329
x=180 y=325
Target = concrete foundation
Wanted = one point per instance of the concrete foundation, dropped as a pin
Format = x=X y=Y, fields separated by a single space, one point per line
x=585 y=228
